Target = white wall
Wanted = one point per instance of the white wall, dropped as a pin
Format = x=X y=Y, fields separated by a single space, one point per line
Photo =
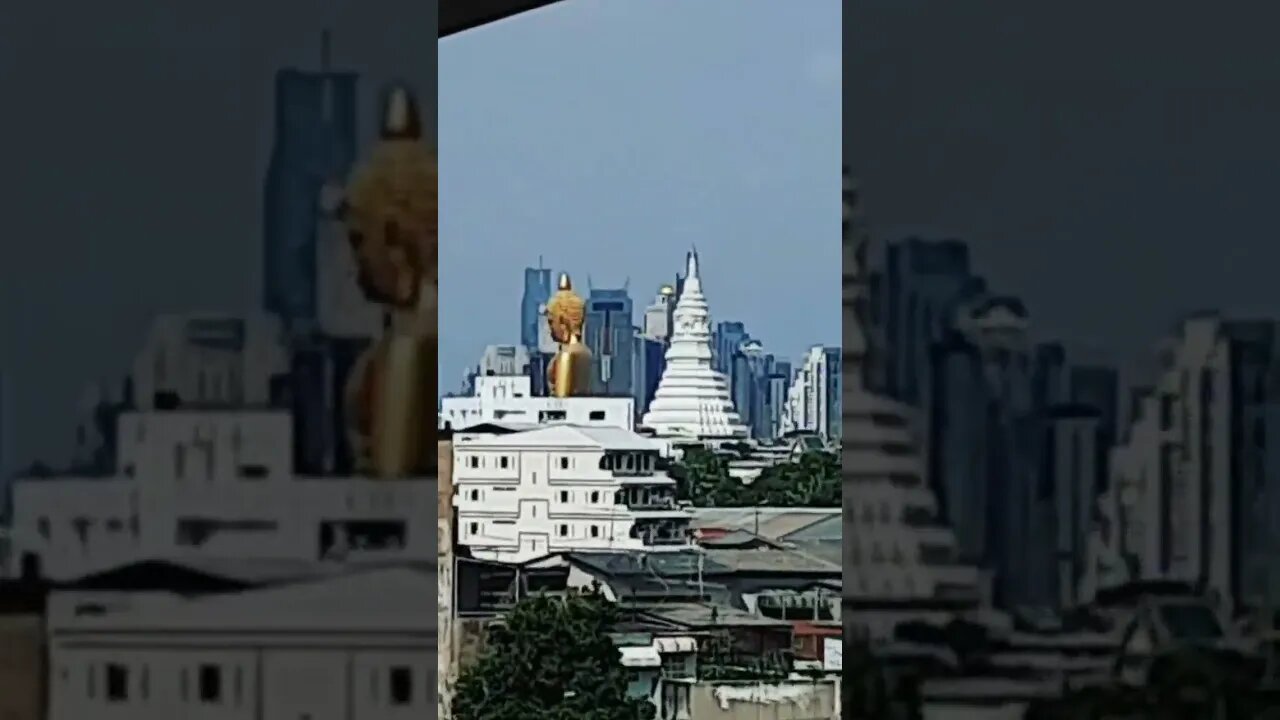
x=224 y=475
x=510 y=399
x=516 y=503
x=176 y=358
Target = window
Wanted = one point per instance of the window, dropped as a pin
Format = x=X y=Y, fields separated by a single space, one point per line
x=504 y=462
x=564 y=496
x=473 y=461
x=596 y=415
x=595 y=496
x=475 y=494
x=117 y=683
x=564 y=531
x=210 y=683
x=473 y=528
x=401 y=686
x=564 y=463
x=42 y=527
x=595 y=531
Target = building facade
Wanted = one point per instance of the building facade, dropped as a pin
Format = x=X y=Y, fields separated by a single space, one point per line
x=564 y=488
x=509 y=400
x=314 y=145
x=213 y=484
x=610 y=336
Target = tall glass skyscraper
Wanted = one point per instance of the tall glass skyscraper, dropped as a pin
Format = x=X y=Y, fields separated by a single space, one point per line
x=610 y=336
x=315 y=144
x=537 y=291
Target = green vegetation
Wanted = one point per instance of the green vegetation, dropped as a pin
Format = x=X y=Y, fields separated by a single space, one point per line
x=551 y=659
x=702 y=478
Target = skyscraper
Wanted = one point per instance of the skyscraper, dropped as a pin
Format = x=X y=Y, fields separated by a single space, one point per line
x=315 y=144
x=610 y=335
x=657 y=317
x=726 y=340
x=537 y=290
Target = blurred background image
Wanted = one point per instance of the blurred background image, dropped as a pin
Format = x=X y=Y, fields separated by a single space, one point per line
x=198 y=518
x=1064 y=398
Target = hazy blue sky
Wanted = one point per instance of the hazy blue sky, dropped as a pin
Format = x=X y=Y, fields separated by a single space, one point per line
x=609 y=137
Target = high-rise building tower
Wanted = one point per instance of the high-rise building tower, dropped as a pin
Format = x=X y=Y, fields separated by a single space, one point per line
x=657 y=317
x=314 y=146
x=727 y=338
x=610 y=335
x=537 y=290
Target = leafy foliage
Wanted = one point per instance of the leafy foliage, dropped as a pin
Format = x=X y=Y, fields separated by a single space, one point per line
x=813 y=480
x=551 y=659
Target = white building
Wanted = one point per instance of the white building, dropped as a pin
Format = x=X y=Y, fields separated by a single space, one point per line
x=657 y=317
x=358 y=646
x=1173 y=473
x=504 y=360
x=810 y=402
x=563 y=488
x=895 y=544
x=692 y=399
x=209 y=359
x=214 y=484
x=509 y=399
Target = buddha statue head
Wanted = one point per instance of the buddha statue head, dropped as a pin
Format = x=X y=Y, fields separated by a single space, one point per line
x=566 y=312
x=391 y=208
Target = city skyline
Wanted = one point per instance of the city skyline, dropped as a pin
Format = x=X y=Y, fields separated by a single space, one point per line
x=640 y=300
x=125 y=233
x=1064 y=168
x=602 y=181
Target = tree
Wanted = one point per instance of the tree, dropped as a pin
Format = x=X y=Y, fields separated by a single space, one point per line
x=702 y=478
x=813 y=480
x=551 y=659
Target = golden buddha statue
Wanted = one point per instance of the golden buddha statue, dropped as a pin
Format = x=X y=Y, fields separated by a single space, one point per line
x=390 y=210
x=570 y=370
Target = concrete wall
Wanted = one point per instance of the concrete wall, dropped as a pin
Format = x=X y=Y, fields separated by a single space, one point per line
x=21 y=667
x=767 y=701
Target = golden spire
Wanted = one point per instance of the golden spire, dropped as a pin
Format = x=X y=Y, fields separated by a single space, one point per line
x=401 y=119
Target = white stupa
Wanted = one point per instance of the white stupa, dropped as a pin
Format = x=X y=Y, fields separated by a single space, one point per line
x=692 y=400
x=896 y=544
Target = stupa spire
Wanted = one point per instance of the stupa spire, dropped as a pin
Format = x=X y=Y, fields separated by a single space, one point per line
x=692 y=399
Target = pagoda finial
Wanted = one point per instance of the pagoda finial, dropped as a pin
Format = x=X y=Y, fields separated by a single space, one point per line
x=691 y=271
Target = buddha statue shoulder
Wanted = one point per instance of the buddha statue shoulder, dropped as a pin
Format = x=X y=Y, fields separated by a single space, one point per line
x=390 y=210
x=569 y=372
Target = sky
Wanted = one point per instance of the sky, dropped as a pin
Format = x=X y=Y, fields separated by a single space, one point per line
x=609 y=137
x=1114 y=164
x=135 y=140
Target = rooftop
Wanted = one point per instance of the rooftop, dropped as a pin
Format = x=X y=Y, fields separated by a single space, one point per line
x=562 y=435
